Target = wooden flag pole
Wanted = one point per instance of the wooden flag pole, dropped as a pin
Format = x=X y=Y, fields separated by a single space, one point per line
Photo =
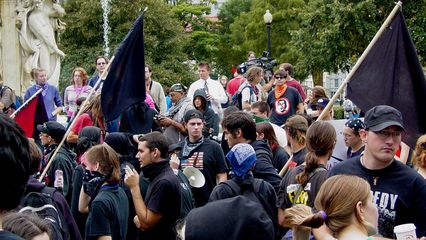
x=13 y=115
x=379 y=33
x=83 y=106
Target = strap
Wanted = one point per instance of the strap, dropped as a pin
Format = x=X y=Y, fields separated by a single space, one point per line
x=320 y=168
x=48 y=191
x=299 y=190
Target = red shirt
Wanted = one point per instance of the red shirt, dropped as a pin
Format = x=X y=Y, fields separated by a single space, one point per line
x=294 y=83
x=234 y=84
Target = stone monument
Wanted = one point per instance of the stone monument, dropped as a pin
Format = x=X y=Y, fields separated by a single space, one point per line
x=29 y=30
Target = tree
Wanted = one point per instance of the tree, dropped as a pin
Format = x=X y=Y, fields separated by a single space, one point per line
x=164 y=38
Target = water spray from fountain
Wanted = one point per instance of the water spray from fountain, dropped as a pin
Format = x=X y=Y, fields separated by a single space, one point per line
x=106 y=8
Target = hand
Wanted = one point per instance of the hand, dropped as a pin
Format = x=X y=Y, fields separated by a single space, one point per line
x=209 y=97
x=57 y=110
x=165 y=121
x=1 y=106
x=174 y=161
x=136 y=221
x=131 y=179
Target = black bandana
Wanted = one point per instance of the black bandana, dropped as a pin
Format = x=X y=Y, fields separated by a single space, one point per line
x=152 y=170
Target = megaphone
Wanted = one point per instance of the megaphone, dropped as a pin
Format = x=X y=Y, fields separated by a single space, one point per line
x=195 y=177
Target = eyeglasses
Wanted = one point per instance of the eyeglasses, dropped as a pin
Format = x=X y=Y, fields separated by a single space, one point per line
x=386 y=134
x=279 y=77
x=101 y=63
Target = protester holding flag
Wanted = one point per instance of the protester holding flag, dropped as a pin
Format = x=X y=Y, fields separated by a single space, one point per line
x=52 y=100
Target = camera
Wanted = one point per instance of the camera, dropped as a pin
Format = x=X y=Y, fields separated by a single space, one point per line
x=263 y=62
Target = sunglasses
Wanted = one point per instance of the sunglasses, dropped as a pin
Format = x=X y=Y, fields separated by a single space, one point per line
x=279 y=77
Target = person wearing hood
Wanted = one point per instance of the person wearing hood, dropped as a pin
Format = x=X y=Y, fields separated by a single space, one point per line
x=158 y=210
x=211 y=126
x=61 y=171
x=172 y=122
x=239 y=127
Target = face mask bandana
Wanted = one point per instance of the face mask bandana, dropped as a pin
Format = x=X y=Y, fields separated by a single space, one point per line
x=92 y=182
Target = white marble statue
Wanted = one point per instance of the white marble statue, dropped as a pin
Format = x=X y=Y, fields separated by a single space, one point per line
x=38 y=24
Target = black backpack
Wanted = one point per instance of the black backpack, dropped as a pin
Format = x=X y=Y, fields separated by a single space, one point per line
x=237 y=97
x=43 y=205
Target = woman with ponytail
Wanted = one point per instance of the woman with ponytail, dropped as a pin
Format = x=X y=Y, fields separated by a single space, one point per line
x=301 y=184
x=344 y=204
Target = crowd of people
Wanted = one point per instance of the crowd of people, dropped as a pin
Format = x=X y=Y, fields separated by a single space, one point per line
x=265 y=165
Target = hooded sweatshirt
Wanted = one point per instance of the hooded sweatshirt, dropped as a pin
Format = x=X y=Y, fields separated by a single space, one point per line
x=210 y=118
x=264 y=168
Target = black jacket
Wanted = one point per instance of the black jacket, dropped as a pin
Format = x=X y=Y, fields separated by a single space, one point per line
x=264 y=168
x=210 y=118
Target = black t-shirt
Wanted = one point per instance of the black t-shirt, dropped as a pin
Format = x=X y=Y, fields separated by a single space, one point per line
x=5 y=235
x=210 y=160
x=163 y=197
x=289 y=187
x=398 y=191
x=108 y=214
x=285 y=106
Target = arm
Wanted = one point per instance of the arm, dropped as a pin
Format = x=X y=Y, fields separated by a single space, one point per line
x=300 y=108
x=268 y=86
x=6 y=98
x=83 y=203
x=170 y=122
x=145 y=217
x=162 y=104
x=72 y=137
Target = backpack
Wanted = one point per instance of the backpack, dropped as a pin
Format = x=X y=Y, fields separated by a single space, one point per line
x=43 y=205
x=237 y=97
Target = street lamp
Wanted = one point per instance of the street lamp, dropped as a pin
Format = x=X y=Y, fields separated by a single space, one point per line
x=268 y=20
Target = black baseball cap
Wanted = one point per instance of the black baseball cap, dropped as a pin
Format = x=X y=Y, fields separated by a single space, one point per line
x=53 y=129
x=192 y=113
x=381 y=117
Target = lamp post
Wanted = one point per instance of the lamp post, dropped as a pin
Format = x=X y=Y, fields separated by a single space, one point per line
x=268 y=20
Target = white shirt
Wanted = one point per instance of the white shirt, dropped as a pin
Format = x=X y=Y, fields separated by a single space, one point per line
x=215 y=90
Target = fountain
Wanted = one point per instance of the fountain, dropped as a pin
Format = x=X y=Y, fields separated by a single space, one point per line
x=106 y=8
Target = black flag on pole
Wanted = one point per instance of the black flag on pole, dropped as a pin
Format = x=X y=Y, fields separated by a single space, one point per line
x=391 y=74
x=125 y=83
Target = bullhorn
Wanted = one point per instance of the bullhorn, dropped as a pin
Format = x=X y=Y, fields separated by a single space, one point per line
x=195 y=177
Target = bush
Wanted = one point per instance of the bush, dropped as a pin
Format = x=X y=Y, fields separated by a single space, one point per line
x=338 y=112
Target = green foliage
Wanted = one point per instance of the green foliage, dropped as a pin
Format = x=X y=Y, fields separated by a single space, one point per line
x=164 y=39
x=338 y=112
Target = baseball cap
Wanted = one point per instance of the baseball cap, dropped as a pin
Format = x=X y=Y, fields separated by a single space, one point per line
x=192 y=113
x=381 y=117
x=242 y=158
x=322 y=102
x=53 y=129
x=355 y=124
x=297 y=122
x=177 y=87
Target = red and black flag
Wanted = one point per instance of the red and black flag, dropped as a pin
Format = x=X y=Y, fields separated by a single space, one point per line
x=391 y=74
x=125 y=83
x=31 y=114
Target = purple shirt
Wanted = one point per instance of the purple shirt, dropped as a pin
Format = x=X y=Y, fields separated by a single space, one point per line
x=51 y=98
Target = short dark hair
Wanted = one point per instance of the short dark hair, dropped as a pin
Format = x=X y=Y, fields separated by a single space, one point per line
x=104 y=57
x=156 y=140
x=262 y=106
x=287 y=67
x=26 y=225
x=240 y=120
x=15 y=162
x=204 y=64
x=36 y=156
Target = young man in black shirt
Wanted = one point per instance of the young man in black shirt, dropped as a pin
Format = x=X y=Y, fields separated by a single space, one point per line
x=398 y=191
x=157 y=212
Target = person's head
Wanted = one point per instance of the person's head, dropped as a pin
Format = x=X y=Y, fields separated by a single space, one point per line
x=176 y=92
x=239 y=127
x=119 y=142
x=79 y=77
x=95 y=107
x=318 y=92
x=266 y=131
x=382 y=134
x=51 y=132
x=40 y=76
x=320 y=104
x=88 y=137
x=152 y=148
x=242 y=158
x=204 y=70
x=27 y=226
x=251 y=55
x=295 y=128
x=194 y=123
x=101 y=63
x=148 y=72
x=15 y=162
x=200 y=100
x=320 y=142
x=343 y=201
x=255 y=75
x=36 y=156
x=223 y=80
x=260 y=109
x=419 y=157
x=351 y=132
x=80 y=101
x=280 y=77
x=287 y=67
x=103 y=159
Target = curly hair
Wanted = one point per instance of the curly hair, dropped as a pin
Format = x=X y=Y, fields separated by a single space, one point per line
x=419 y=156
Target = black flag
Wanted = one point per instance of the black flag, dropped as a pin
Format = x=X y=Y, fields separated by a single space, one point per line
x=125 y=84
x=391 y=74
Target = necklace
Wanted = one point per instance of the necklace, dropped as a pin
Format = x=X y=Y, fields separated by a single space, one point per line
x=362 y=163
